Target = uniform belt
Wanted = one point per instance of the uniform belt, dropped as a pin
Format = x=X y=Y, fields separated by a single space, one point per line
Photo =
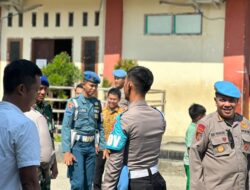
x=143 y=173
x=83 y=138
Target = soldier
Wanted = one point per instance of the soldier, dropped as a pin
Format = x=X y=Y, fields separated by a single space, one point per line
x=82 y=119
x=45 y=109
x=119 y=76
x=220 y=151
x=136 y=138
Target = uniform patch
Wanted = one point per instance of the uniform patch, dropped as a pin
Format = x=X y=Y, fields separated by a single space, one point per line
x=199 y=131
x=243 y=125
x=224 y=139
x=246 y=146
x=220 y=148
x=70 y=105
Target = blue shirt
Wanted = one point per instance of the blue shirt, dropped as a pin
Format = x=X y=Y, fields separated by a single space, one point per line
x=19 y=145
x=87 y=122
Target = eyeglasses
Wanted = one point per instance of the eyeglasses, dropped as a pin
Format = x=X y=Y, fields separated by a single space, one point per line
x=230 y=138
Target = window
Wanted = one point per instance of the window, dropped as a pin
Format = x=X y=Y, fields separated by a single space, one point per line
x=85 y=19
x=58 y=19
x=20 y=20
x=158 y=24
x=188 y=24
x=14 y=49
x=71 y=19
x=180 y=24
x=97 y=16
x=10 y=16
x=33 y=19
x=46 y=19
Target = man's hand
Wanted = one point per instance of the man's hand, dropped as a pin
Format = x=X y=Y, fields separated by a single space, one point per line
x=96 y=148
x=69 y=158
x=105 y=154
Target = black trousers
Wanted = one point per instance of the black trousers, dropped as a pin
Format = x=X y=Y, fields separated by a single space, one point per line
x=99 y=169
x=151 y=182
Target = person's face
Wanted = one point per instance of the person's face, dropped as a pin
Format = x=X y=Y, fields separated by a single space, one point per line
x=41 y=93
x=78 y=91
x=119 y=82
x=226 y=106
x=89 y=88
x=113 y=101
x=30 y=94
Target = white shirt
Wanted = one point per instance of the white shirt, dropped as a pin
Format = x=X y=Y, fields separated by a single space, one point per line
x=19 y=145
x=44 y=136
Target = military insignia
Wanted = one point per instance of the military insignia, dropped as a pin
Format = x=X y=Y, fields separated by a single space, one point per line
x=243 y=125
x=199 y=131
x=224 y=139
x=220 y=148
x=70 y=105
x=96 y=104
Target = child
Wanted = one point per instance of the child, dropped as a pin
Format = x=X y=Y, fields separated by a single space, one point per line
x=196 y=112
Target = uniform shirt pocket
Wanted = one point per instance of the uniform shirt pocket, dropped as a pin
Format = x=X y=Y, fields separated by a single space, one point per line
x=246 y=141
x=220 y=145
x=82 y=119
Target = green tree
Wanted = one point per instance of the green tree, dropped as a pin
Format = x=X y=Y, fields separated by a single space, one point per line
x=61 y=71
x=126 y=64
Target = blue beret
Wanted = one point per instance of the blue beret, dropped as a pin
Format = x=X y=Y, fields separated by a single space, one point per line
x=227 y=88
x=44 y=81
x=120 y=73
x=91 y=77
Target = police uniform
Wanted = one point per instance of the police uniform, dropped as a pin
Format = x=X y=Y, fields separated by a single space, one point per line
x=85 y=124
x=220 y=151
x=144 y=127
x=120 y=73
x=45 y=109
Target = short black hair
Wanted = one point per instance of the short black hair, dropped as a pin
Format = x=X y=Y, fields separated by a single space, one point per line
x=79 y=85
x=142 y=78
x=195 y=111
x=19 y=72
x=115 y=91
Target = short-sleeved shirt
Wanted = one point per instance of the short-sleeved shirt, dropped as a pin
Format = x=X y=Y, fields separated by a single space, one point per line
x=188 y=141
x=44 y=135
x=19 y=145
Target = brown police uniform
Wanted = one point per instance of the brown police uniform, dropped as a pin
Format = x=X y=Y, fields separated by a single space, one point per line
x=144 y=127
x=220 y=154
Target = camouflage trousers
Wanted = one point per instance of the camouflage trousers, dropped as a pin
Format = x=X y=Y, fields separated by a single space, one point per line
x=44 y=175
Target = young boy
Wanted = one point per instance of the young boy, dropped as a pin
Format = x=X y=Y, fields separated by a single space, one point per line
x=109 y=114
x=196 y=112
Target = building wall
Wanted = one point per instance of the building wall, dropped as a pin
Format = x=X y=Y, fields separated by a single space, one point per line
x=27 y=32
x=185 y=66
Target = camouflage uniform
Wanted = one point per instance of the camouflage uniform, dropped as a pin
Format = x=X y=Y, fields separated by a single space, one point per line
x=44 y=170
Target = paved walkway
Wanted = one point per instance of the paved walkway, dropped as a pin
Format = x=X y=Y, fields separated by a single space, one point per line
x=172 y=171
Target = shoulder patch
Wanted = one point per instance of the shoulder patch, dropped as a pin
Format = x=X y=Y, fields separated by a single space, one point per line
x=199 y=131
x=71 y=105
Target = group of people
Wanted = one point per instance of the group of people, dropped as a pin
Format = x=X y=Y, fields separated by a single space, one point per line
x=124 y=137
x=218 y=145
x=27 y=151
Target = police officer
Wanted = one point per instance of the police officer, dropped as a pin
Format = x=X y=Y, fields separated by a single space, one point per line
x=119 y=76
x=142 y=128
x=45 y=109
x=220 y=151
x=80 y=123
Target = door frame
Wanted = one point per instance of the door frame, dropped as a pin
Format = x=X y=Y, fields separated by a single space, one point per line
x=96 y=39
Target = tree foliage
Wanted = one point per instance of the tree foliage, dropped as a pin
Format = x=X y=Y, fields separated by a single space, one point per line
x=126 y=64
x=61 y=71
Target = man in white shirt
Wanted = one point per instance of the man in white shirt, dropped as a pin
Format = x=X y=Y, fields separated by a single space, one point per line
x=46 y=147
x=19 y=141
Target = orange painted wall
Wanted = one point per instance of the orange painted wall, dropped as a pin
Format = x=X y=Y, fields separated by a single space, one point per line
x=236 y=56
x=113 y=36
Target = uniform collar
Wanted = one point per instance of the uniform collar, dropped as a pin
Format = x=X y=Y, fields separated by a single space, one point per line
x=137 y=103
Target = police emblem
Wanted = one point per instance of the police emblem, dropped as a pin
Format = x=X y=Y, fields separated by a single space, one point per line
x=246 y=147
x=199 y=131
x=243 y=125
x=220 y=148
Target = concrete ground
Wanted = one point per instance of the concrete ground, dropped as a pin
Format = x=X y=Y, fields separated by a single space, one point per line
x=172 y=171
